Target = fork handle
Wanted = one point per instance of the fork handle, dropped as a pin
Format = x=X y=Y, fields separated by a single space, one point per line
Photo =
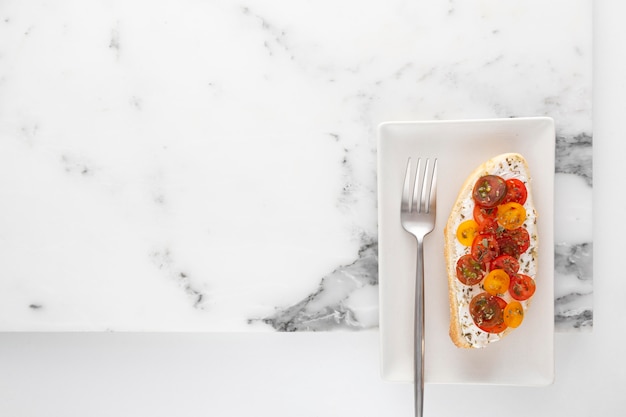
x=418 y=362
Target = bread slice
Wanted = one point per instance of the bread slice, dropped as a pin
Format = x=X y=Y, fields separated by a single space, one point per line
x=463 y=331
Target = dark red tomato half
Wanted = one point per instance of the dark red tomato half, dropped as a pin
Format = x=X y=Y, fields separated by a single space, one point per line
x=468 y=270
x=513 y=242
x=485 y=248
x=508 y=263
x=489 y=191
x=515 y=191
x=487 y=311
x=521 y=287
x=507 y=246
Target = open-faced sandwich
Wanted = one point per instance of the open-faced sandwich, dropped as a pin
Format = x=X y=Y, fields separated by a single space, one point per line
x=491 y=252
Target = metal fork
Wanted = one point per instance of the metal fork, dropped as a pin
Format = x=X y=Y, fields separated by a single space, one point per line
x=417 y=214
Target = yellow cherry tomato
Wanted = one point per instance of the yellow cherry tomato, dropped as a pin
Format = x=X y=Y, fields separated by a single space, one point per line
x=513 y=314
x=511 y=215
x=466 y=232
x=497 y=282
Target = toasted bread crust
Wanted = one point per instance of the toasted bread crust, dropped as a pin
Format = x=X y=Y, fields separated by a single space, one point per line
x=507 y=165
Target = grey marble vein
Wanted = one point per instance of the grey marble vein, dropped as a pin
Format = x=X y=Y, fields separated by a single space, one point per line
x=275 y=40
x=162 y=258
x=573 y=270
x=574 y=156
x=325 y=308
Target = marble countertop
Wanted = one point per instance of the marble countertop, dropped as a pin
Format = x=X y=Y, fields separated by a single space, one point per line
x=212 y=166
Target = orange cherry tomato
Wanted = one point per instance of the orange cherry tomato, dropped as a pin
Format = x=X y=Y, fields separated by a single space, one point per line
x=511 y=215
x=466 y=232
x=513 y=314
x=496 y=282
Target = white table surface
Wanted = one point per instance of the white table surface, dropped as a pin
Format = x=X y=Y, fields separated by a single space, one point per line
x=333 y=373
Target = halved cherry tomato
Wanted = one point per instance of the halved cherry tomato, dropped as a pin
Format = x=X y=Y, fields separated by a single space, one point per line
x=486 y=219
x=513 y=242
x=482 y=214
x=487 y=311
x=489 y=191
x=515 y=191
x=511 y=215
x=513 y=314
x=466 y=232
x=522 y=287
x=468 y=270
x=489 y=226
x=507 y=246
x=485 y=248
x=521 y=238
x=496 y=282
x=509 y=264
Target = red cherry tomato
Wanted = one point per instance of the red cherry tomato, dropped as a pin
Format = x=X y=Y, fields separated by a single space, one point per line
x=515 y=191
x=482 y=214
x=485 y=248
x=489 y=191
x=521 y=287
x=486 y=218
x=508 y=263
x=488 y=227
x=487 y=311
x=469 y=271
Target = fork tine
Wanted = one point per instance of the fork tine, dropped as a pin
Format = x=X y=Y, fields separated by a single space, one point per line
x=432 y=203
x=417 y=206
x=406 y=205
x=425 y=189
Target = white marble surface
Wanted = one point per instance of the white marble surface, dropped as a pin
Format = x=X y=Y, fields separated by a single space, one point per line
x=210 y=166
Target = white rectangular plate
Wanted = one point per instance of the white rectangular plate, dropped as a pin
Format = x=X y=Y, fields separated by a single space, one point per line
x=526 y=356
